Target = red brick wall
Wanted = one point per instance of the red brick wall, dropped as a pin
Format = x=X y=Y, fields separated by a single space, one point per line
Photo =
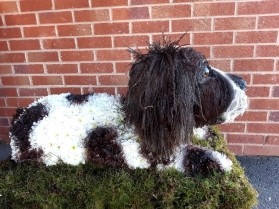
x=54 y=46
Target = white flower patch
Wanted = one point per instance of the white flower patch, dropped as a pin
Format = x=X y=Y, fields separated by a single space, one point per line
x=201 y=133
x=224 y=162
x=132 y=156
x=62 y=133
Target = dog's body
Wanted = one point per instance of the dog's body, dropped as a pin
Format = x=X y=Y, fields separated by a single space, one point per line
x=172 y=91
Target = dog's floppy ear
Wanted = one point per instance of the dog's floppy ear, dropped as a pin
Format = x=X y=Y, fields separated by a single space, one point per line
x=161 y=97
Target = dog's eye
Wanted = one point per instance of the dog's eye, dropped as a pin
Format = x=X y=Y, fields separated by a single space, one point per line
x=206 y=72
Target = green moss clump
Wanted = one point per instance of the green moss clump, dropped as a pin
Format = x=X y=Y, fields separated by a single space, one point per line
x=30 y=185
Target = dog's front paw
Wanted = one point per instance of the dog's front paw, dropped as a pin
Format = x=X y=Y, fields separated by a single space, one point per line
x=199 y=160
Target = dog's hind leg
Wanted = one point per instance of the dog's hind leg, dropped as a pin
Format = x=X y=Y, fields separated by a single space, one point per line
x=201 y=160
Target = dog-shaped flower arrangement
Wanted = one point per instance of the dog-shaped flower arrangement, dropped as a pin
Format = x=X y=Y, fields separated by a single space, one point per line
x=173 y=94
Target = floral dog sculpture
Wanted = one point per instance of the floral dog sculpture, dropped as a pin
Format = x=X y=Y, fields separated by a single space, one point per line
x=173 y=94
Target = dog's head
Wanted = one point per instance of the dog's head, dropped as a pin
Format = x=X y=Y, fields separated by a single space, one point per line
x=172 y=90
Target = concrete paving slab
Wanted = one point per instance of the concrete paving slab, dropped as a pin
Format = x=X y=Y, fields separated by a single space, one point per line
x=263 y=173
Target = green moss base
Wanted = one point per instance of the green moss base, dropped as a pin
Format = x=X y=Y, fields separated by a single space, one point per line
x=30 y=185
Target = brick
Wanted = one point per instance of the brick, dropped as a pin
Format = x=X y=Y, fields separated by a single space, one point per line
x=266 y=150
x=4 y=130
x=274 y=116
x=4 y=135
x=39 y=31
x=122 y=67
x=256 y=37
x=234 y=51
x=2 y=102
x=203 y=24
x=95 y=42
x=264 y=104
x=29 y=69
x=122 y=90
x=62 y=68
x=4 y=122
x=252 y=116
x=214 y=9
x=108 y=90
x=20 y=19
x=150 y=26
x=92 y=15
x=185 y=40
x=35 y=5
x=224 y=65
x=203 y=50
x=111 y=28
x=265 y=78
x=96 y=68
x=12 y=57
x=113 y=80
x=277 y=65
x=130 y=13
x=235 y=23
x=258 y=7
x=60 y=90
x=213 y=38
x=275 y=92
x=69 y=4
x=47 y=80
x=3 y=46
x=263 y=128
x=253 y=64
x=74 y=30
x=77 y=55
x=8 y=92
x=171 y=11
x=59 y=43
x=32 y=92
x=19 y=102
x=111 y=3
x=236 y=149
x=245 y=76
x=8 y=7
x=112 y=55
x=272 y=140
x=42 y=56
x=80 y=80
x=9 y=33
x=258 y=91
x=6 y=69
x=25 y=44
x=146 y=2
x=245 y=139
x=15 y=80
x=5 y=138
x=232 y=127
x=131 y=41
x=268 y=22
x=267 y=51
x=55 y=17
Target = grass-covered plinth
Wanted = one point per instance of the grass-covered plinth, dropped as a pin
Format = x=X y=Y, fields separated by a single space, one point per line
x=30 y=185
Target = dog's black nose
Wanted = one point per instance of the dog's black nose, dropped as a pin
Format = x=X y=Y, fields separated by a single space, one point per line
x=239 y=81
